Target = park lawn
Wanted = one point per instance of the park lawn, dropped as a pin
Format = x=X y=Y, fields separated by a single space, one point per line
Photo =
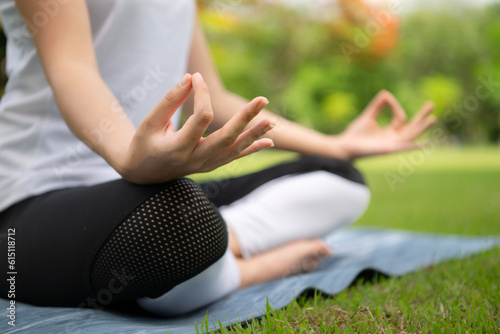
x=452 y=191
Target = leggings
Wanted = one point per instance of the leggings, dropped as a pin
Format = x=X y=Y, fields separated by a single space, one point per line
x=165 y=245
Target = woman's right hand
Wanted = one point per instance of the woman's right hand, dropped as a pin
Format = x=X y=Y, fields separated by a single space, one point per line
x=158 y=153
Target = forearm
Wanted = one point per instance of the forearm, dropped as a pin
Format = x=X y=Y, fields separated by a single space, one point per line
x=154 y=152
x=84 y=100
x=287 y=135
x=91 y=110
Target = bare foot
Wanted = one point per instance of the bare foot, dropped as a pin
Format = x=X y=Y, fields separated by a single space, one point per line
x=293 y=258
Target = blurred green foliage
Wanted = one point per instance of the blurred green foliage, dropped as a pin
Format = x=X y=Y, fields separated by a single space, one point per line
x=322 y=73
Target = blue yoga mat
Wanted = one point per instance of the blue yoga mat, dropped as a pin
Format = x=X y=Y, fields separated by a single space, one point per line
x=356 y=250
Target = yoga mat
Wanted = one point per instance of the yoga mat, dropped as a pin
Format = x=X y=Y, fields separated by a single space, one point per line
x=356 y=250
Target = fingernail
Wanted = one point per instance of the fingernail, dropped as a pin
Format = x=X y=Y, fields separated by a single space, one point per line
x=270 y=126
x=262 y=104
x=198 y=75
x=185 y=80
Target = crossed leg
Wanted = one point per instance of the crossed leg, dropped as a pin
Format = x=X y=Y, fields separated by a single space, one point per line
x=275 y=231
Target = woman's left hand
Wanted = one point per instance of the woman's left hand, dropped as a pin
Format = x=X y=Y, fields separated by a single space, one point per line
x=365 y=137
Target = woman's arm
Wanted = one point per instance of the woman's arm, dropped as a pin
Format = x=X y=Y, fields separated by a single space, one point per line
x=87 y=105
x=154 y=152
x=362 y=138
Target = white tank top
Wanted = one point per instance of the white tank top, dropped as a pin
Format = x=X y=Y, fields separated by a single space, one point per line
x=142 y=49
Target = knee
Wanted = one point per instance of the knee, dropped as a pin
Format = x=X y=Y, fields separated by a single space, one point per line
x=356 y=199
x=174 y=235
x=200 y=218
x=361 y=201
x=346 y=200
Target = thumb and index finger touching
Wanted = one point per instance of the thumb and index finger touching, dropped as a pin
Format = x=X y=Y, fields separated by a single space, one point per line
x=196 y=125
x=168 y=105
x=385 y=99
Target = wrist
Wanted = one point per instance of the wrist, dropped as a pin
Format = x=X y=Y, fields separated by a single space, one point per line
x=121 y=163
x=336 y=147
x=118 y=155
x=340 y=143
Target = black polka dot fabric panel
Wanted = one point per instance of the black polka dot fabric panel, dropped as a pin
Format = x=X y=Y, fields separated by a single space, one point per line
x=168 y=239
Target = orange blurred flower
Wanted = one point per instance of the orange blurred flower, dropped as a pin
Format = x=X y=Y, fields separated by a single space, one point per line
x=373 y=32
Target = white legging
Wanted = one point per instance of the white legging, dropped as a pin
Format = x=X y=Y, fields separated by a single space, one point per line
x=289 y=208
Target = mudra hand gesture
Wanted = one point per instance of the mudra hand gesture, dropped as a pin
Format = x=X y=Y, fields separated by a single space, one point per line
x=365 y=137
x=159 y=153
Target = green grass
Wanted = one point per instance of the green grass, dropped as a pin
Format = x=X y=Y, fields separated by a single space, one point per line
x=453 y=191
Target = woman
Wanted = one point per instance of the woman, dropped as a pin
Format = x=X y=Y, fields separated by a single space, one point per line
x=92 y=162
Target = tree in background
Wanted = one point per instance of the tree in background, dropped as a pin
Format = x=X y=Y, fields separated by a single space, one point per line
x=321 y=64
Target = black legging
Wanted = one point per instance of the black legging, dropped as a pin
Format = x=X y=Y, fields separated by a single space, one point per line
x=91 y=246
